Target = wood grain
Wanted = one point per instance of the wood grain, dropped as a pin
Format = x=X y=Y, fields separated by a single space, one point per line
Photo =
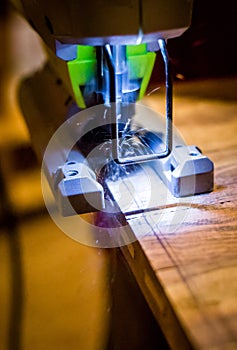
x=187 y=267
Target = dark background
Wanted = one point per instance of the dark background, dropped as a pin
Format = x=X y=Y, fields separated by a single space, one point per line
x=208 y=48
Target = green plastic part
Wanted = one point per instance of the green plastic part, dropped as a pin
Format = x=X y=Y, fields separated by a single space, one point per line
x=140 y=65
x=82 y=70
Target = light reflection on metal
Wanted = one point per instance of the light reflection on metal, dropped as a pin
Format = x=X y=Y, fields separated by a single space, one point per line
x=116 y=110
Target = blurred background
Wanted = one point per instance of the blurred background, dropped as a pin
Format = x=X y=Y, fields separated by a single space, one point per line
x=207 y=48
x=54 y=292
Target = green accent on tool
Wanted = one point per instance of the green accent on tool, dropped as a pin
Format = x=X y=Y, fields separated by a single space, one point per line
x=140 y=65
x=82 y=70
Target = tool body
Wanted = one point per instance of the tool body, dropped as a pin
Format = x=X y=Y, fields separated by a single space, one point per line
x=100 y=59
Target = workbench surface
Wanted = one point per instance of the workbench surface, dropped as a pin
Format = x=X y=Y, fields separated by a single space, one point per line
x=187 y=270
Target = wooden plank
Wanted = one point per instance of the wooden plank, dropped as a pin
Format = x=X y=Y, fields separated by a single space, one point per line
x=185 y=258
